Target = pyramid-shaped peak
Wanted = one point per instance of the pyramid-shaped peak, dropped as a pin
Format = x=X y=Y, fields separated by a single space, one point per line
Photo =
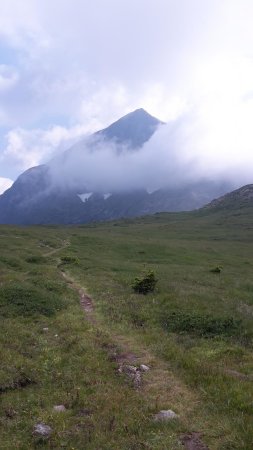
x=139 y=113
x=135 y=128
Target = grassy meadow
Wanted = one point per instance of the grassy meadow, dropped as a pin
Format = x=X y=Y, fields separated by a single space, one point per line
x=194 y=332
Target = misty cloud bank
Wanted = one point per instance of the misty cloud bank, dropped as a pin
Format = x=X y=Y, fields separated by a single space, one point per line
x=199 y=146
x=5 y=183
x=176 y=54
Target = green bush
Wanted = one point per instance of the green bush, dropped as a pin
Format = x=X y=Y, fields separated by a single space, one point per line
x=12 y=262
x=201 y=325
x=216 y=269
x=145 y=283
x=36 y=259
x=69 y=260
x=27 y=300
x=49 y=285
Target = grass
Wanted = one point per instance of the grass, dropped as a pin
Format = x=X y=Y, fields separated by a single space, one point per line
x=194 y=330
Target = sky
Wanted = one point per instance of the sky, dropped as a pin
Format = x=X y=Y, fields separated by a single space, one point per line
x=69 y=68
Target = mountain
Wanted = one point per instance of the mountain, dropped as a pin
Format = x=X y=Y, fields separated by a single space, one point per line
x=235 y=200
x=134 y=129
x=34 y=198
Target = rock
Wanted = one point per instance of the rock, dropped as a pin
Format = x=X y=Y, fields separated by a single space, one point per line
x=165 y=415
x=137 y=379
x=10 y=413
x=131 y=372
x=128 y=370
x=59 y=408
x=84 y=412
x=144 y=368
x=41 y=429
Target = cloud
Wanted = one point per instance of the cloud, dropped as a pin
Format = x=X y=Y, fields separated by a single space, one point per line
x=173 y=157
x=81 y=65
x=212 y=140
x=70 y=58
x=8 y=77
x=5 y=183
x=28 y=148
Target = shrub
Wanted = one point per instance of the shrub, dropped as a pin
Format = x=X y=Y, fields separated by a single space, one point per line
x=36 y=259
x=201 y=325
x=145 y=283
x=26 y=300
x=69 y=260
x=14 y=263
x=216 y=269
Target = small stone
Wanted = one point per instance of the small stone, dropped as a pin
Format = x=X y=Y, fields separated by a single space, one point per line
x=85 y=412
x=137 y=380
x=41 y=429
x=45 y=329
x=144 y=368
x=59 y=408
x=129 y=370
x=164 y=415
x=56 y=335
x=10 y=413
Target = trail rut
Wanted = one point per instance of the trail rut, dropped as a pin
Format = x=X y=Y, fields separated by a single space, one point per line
x=159 y=384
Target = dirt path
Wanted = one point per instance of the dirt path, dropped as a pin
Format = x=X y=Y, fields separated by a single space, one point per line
x=85 y=301
x=55 y=250
x=158 y=384
x=192 y=441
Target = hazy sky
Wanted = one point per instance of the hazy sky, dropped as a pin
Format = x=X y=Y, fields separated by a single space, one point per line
x=71 y=67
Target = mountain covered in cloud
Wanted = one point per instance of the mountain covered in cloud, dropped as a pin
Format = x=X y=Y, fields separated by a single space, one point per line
x=114 y=173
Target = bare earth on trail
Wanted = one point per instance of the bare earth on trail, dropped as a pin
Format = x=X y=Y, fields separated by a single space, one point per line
x=192 y=441
x=239 y=375
x=85 y=301
x=158 y=384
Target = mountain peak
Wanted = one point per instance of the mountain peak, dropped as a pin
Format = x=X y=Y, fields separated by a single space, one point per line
x=134 y=129
x=137 y=112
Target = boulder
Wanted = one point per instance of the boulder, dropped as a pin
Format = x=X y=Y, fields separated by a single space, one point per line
x=41 y=429
x=144 y=368
x=165 y=415
x=59 y=408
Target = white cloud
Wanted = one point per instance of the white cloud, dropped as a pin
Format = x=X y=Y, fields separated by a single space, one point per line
x=8 y=77
x=84 y=64
x=98 y=60
x=5 y=183
x=28 y=148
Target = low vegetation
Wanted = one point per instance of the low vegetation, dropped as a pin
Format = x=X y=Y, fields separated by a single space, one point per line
x=67 y=259
x=201 y=324
x=145 y=283
x=193 y=329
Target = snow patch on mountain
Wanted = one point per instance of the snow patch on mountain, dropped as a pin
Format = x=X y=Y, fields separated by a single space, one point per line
x=150 y=191
x=106 y=196
x=85 y=197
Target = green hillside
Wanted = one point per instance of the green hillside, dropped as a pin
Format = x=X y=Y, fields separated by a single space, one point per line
x=194 y=332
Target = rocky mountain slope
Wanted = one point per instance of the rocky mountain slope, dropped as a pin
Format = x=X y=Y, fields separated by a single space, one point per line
x=237 y=199
x=35 y=199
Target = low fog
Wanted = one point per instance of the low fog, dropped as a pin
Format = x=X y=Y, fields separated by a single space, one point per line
x=206 y=143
